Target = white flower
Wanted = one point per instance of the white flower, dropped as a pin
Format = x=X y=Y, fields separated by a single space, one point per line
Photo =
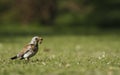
x=43 y=63
x=67 y=65
x=102 y=56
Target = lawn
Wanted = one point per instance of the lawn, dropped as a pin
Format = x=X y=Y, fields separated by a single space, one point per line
x=63 y=55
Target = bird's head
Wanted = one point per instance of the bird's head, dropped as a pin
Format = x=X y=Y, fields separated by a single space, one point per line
x=35 y=40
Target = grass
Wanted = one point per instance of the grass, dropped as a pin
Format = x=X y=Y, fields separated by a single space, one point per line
x=63 y=55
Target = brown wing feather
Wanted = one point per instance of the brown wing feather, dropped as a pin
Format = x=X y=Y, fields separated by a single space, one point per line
x=24 y=50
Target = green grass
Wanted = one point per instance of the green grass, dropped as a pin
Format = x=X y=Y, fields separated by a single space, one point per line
x=63 y=55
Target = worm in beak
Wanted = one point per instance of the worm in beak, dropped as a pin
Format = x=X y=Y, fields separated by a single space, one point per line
x=40 y=40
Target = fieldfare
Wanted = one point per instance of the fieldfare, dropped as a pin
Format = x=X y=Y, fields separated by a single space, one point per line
x=29 y=50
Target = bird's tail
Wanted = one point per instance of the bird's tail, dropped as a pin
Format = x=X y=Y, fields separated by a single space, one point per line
x=12 y=58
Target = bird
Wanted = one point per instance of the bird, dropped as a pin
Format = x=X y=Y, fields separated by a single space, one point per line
x=29 y=50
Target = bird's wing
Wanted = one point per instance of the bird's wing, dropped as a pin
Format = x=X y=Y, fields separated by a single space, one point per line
x=30 y=52
x=26 y=49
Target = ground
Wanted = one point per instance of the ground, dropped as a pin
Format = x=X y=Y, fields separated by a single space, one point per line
x=63 y=55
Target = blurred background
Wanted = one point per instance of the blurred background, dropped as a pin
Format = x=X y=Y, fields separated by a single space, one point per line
x=54 y=17
x=81 y=37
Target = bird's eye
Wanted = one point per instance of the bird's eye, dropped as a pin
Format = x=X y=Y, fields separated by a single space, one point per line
x=36 y=38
